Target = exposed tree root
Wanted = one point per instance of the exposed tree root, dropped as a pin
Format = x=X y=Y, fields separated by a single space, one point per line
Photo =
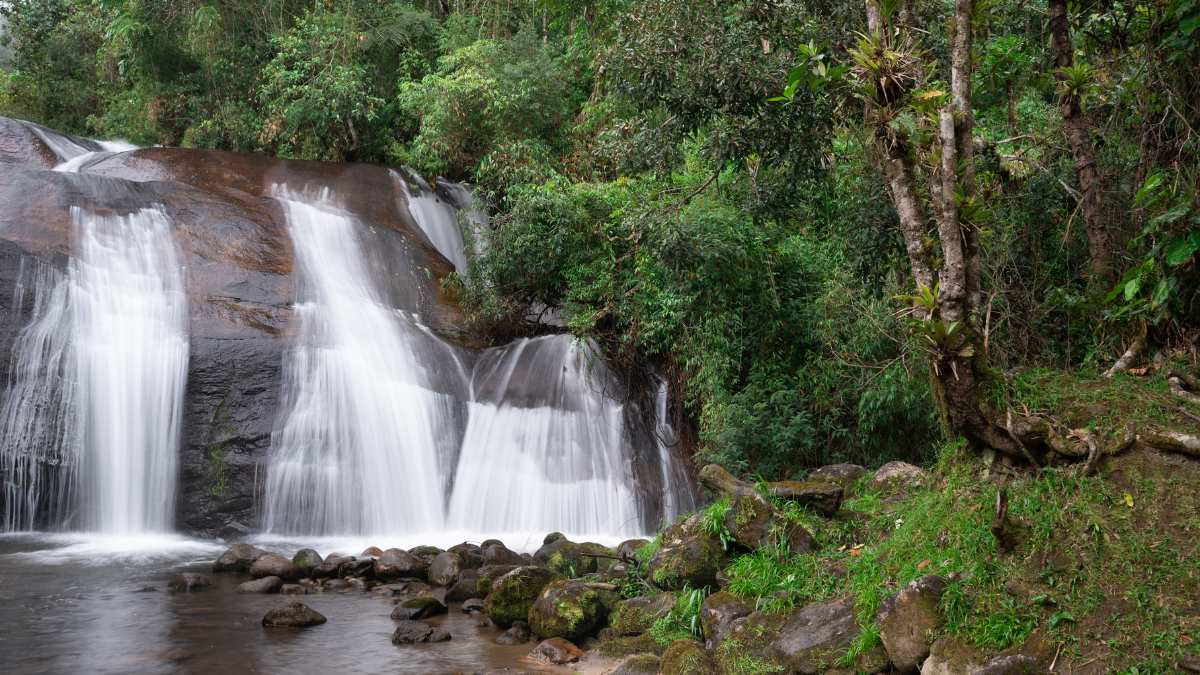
x=1180 y=385
x=1173 y=441
x=1129 y=358
x=1001 y=527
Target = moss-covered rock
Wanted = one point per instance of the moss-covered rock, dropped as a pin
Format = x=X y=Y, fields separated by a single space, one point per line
x=749 y=520
x=718 y=613
x=514 y=593
x=638 y=664
x=489 y=574
x=307 y=560
x=624 y=646
x=809 y=639
x=687 y=657
x=821 y=495
x=687 y=556
x=570 y=609
x=572 y=559
x=636 y=615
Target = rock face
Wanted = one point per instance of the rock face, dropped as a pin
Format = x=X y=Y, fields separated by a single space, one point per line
x=514 y=593
x=718 y=613
x=295 y=615
x=570 y=609
x=417 y=632
x=908 y=619
x=688 y=556
x=636 y=615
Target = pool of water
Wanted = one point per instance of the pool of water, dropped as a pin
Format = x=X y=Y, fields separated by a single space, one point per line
x=100 y=605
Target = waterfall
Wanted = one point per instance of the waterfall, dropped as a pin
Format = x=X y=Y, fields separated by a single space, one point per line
x=92 y=417
x=356 y=450
x=129 y=314
x=546 y=446
x=438 y=217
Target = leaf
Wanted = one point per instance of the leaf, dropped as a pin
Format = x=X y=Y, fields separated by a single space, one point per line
x=1061 y=617
x=1132 y=287
x=1128 y=499
x=923 y=564
x=1182 y=248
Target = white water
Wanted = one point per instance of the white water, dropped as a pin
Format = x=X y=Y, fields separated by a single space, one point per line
x=437 y=218
x=130 y=349
x=74 y=153
x=545 y=447
x=91 y=420
x=356 y=449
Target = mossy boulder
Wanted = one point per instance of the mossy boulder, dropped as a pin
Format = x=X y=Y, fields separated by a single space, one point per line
x=635 y=644
x=687 y=657
x=636 y=615
x=749 y=520
x=514 y=593
x=420 y=607
x=237 y=558
x=718 y=613
x=687 y=556
x=572 y=559
x=487 y=575
x=810 y=639
x=570 y=609
x=638 y=664
x=821 y=495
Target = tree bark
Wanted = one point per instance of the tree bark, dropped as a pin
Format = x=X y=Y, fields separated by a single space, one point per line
x=1079 y=136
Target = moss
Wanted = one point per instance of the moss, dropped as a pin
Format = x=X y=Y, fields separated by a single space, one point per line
x=624 y=646
x=734 y=658
x=687 y=657
x=514 y=593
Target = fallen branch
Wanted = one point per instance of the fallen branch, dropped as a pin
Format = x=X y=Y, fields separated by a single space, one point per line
x=1127 y=359
x=1177 y=383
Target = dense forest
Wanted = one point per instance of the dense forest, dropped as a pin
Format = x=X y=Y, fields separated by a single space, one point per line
x=712 y=188
x=964 y=234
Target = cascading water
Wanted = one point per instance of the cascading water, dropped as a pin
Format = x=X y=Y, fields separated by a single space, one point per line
x=129 y=313
x=356 y=451
x=546 y=445
x=91 y=420
x=439 y=219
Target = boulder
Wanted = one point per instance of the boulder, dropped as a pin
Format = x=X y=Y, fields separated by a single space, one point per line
x=718 y=613
x=636 y=615
x=637 y=664
x=687 y=556
x=798 y=539
x=329 y=568
x=426 y=553
x=336 y=585
x=420 y=607
x=498 y=554
x=488 y=574
x=908 y=620
x=808 y=640
x=843 y=475
x=445 y=568
x=898 y=475
x=274 y=565
x=1011 y=664
x=490 y=542
x=553 y=537
x=514 y=593
x=371 y=552
x=749 y=520
x=517 y=634
x=949 y=656
x=556 y=651
x=189 y=582
x=356 y=567
x=470 y=556
x=823 y=496
x=263 y=585
x=396 y=563
x=295 y=615
x=237 y=558
x=472 y=606
x=570 y=609
x=629 y=548
x=720 y=482
x=417 y=632
x=293 y=589
x=467 y=586
x=307 y=560
x=687 y=657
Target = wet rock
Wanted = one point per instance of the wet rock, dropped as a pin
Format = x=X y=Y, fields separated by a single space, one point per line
x=499 y=554
x=687 y=657
x=420 y=607
x=635 y=615
x=488 y=574
x=899 y=475
x=371 y=552
x=809 y=640
x=445 y=568
x=843 y=475
x=189 y=582
x=237 y=558
x=295 y=615
x=467 y=586
x=629 y=548
x=307 y=560
x=514 y=593
x=336 y=585
x=329 y=568
x=263 y=585
x=517 y=634
x=908 y=620
x=823 y=496
x=356 y=567
x=472 y=606
x=638 y=664
x=397 y=563
x=718 y=613
x=570 y=609
x=293 y=589
x=274 y=565
x=556 y=651
x=490 y=542
x=749 y=520
x=426 y=553
x=470 y=556
x=687 y=556
x=417 y=632
x=553 y=537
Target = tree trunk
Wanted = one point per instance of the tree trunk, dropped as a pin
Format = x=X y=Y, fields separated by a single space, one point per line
x=1079 y=136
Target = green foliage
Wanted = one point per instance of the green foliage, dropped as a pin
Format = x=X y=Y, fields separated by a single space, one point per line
x=683 y=621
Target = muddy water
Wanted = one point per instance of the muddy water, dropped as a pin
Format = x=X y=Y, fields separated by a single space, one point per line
x=76 y=605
